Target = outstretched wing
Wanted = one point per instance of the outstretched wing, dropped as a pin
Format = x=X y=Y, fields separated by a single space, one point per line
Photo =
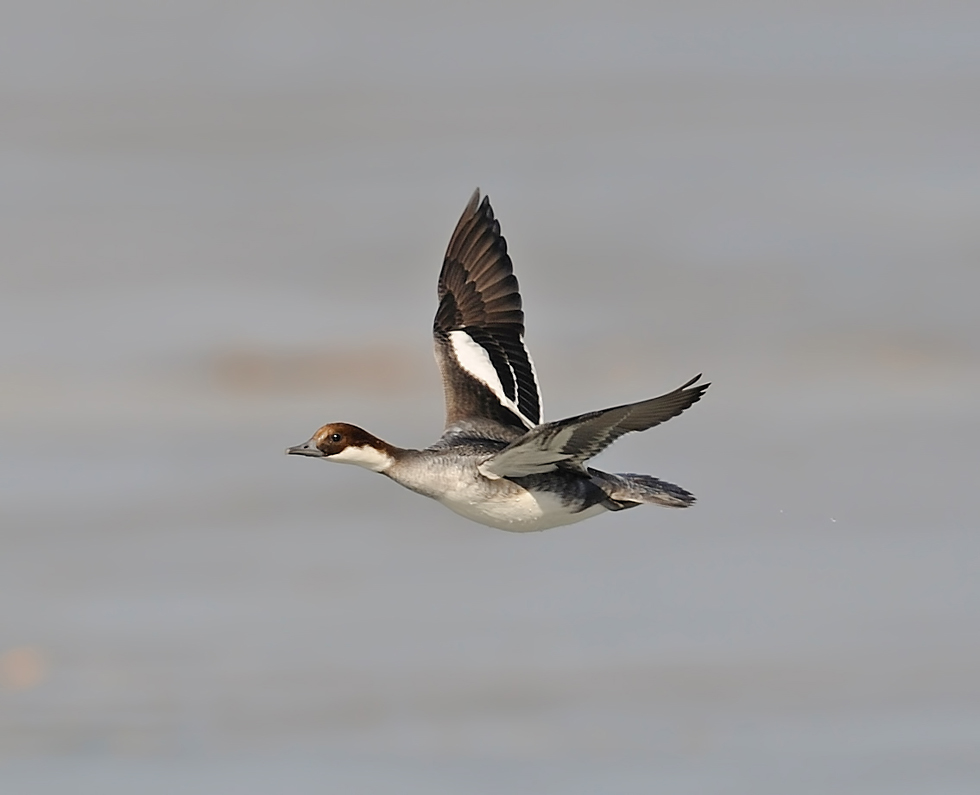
x=570 y=443
x=479 y=327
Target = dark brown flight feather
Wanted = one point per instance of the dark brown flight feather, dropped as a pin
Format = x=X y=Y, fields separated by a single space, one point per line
x=479 y=295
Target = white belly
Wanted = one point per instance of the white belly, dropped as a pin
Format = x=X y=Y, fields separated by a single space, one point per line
x=518 y=512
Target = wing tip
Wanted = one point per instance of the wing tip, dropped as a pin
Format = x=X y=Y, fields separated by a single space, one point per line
x=694 y=389
x=479 y=204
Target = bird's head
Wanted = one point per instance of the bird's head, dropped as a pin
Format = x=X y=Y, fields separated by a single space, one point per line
x=347 y=444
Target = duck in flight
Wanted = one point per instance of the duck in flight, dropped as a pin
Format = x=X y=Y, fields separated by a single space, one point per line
x=496 y=462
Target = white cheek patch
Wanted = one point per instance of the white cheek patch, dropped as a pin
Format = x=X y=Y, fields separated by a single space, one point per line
x=367 y=457
x=472 y=357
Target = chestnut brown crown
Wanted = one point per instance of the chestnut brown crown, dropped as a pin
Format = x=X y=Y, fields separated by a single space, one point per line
x=336 y=436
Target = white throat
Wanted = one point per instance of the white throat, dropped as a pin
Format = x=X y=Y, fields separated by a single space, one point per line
x=366 y=456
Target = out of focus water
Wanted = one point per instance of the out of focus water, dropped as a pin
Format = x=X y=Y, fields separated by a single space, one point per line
x=221 y=227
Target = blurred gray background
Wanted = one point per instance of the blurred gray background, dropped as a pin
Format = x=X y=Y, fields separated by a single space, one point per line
x=221 y=227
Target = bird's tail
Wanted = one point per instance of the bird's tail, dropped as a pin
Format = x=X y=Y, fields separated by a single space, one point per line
x=627 y=490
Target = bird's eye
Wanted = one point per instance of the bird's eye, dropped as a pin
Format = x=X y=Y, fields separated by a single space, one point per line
x=335 y=437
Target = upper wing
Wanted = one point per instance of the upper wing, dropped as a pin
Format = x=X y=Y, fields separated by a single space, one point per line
x=570 y=443
x=479 y=327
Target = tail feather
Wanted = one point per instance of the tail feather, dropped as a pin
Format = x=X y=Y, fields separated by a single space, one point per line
x=628 y=489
